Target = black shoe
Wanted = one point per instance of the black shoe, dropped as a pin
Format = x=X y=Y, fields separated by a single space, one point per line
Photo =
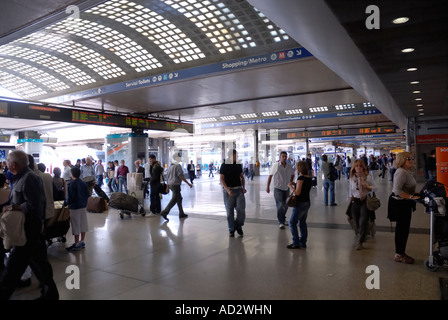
x=292 y=246
x=232 y=234
x=333 y=204
x=240 y=231
x=183 y=216
x=164 y=215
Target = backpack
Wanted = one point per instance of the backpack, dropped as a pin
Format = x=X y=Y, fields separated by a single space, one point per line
x=333 y=175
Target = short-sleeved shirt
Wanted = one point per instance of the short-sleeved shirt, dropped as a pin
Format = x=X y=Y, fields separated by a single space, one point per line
x=306 y=187
x=282 y=175
x=174 y=175
x=232 y=174
x=403 y=181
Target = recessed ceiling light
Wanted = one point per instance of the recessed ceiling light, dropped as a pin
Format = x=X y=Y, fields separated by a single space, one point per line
x=415 y=82
x=411 y=69
x=418 y=99
x=400 y=20
x=407 y=50
x=419 y=105
x=416 y=91
x=421 y=110
x=421 y=114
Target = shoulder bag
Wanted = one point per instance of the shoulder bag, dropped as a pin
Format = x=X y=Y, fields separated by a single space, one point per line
x=373 y=203
x=292 y=200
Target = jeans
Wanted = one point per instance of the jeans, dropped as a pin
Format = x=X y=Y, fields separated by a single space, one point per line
x=281 y=196
x=328 y=184
x=360 y=216
x=236 y=201
x=122 y=182
x=175 y=199
x=298 y=216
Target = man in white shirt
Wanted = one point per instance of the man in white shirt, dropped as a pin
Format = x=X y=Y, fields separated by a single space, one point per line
x=283 y=174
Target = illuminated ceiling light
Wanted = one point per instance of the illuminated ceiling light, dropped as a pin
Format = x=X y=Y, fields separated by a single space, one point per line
x=248 y=115
x=294 y=111
x=420 y=105
x=421 y=114
x=416 y=91
x=270 y=113
x=408 y=50
x=418 y=99
x=411 y=69
x=400 y=20
x=421 y=109
x=415 y=82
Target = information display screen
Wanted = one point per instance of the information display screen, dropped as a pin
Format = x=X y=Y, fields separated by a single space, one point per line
x=336 y=132
x=51 y=113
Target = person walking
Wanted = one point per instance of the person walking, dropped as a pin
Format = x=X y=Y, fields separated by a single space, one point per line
x=99 y=173
x=234 y=187
x=110 y=176
x=156 y=171
x=191 y=171
x=327 y=182
x=174 y=178
x=403 y=190
x=88 y=174
x=78 y=194
x=122 y=175
x=34 y=251
x=348 y=167
x=283 y=173
x=361 y=184
x=301 y=190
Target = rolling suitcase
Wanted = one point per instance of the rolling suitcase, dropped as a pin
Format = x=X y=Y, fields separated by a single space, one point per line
x=96 y=204
x=100 y=192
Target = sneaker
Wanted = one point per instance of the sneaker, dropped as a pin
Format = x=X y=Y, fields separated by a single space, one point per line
x=403 y=258
x=281 y=226
x=74 y=247
x=83 y=244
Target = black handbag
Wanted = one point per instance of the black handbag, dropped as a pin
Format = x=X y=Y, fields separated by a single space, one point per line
x=163 y=189
x=292 y=200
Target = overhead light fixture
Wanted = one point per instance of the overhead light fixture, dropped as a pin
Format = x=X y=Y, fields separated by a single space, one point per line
x=407 y=50
x=416 y=91
x=418 y=99
x=400 y=20
x=421 y=114
x=411 y=69
x=419 y=105
x=415 y=82
x=421 y=110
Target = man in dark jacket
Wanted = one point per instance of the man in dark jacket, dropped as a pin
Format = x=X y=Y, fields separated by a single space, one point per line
x=27 y=198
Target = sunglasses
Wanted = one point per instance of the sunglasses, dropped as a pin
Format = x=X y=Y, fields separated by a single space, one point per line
x=409 y=158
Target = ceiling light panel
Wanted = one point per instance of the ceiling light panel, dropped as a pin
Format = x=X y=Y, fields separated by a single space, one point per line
x=33 y=73
x=19 y=86
x=72 y=73
x=319 y=109
x=294 y=111
x=178 y=46
x=92 y=59
x=217 y=22
x=122 y=46
x=276 y=33
x=248 y=115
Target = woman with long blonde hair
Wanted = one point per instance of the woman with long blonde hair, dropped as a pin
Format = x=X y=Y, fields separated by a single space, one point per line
x=361 y=184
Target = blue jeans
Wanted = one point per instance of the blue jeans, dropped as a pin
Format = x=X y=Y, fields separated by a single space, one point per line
x=298 y=216
x=328 y=184
x=122 y=182
x=281 y=196
x=238 y=202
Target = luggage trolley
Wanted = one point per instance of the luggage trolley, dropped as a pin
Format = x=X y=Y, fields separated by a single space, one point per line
x=433 y=197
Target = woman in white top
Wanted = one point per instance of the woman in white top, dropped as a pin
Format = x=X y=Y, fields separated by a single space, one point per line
x=361 y=184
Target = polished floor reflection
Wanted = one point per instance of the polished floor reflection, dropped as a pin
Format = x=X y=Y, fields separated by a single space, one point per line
x=147 y=258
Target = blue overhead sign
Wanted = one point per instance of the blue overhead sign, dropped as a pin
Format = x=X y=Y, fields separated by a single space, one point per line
x=227 y=66
x=291 y=118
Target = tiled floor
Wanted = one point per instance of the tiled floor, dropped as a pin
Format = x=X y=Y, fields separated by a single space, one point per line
x=150 y=259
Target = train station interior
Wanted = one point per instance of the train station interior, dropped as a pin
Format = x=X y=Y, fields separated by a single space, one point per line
x=123 y=79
